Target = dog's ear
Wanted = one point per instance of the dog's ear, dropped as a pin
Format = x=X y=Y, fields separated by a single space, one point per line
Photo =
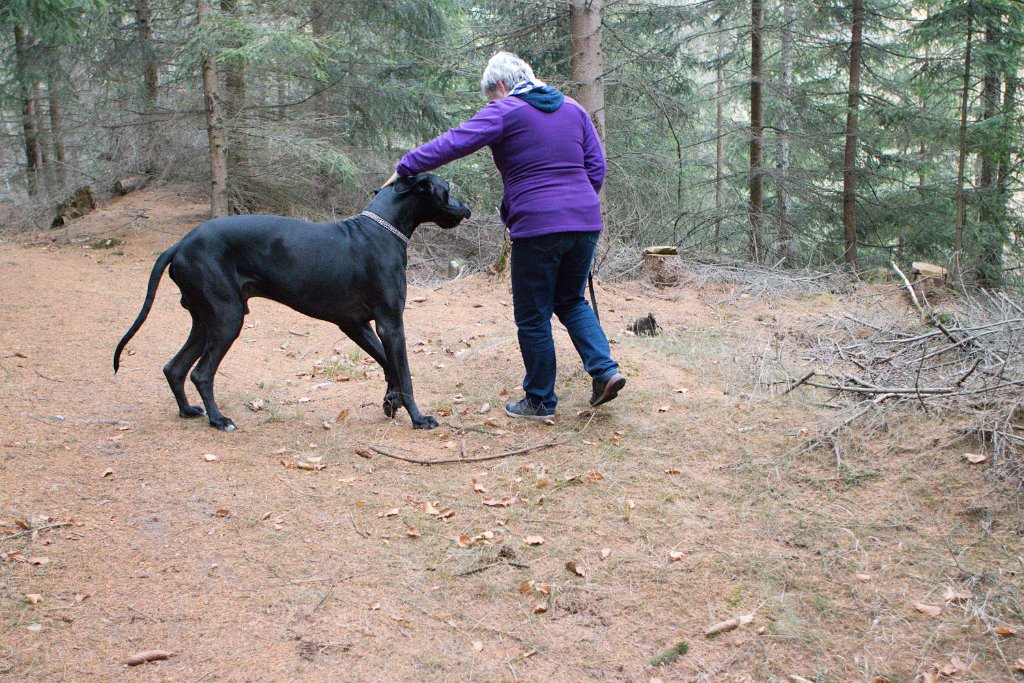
x=412 y=183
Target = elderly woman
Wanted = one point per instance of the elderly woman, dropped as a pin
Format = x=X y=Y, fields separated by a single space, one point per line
x=552 y=167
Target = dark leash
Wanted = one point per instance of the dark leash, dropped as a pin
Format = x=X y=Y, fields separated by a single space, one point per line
x=593 y=298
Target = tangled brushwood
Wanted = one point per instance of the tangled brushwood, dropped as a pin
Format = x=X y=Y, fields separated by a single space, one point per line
x=964 y=364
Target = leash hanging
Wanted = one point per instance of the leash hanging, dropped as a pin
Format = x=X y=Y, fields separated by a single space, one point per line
x=593 y=298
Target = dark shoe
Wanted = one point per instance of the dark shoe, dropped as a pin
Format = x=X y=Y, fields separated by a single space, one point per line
x=607 y=389
x=528 y=409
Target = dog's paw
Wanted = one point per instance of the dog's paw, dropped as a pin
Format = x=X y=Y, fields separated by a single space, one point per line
x=392 y=402
x=424 y=422
x=192 y=411
x=223 y=423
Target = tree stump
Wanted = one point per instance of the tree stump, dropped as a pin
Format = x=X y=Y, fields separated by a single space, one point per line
x=928 y=281
x=663 y=266
x=75 y=205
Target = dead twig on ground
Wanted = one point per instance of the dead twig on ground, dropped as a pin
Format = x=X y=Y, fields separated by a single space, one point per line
x=480 y=458
x=33 y=530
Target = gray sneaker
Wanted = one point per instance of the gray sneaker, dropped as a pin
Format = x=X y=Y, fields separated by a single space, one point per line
x=607 y=389
x=528 y=409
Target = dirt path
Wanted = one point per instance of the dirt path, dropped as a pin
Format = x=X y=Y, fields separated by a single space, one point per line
x=682 y=504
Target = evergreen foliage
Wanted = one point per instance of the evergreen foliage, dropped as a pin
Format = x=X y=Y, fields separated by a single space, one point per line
x=333 y=93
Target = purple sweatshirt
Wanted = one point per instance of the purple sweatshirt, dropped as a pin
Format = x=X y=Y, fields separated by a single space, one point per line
x=551 y=163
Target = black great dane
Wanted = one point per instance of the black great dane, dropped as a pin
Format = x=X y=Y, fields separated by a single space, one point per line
x=347 y=273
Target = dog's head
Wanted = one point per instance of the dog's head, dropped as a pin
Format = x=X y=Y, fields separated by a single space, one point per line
x=435 y=200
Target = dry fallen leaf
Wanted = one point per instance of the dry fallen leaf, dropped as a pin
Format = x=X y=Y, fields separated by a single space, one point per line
x=673 y=470
x=390 y=513
x=1004 y=631
x=952 y=596
x=209 y=457
x=595 y=476
x=478 y=487
x=374 y=607
x=464 y=541
x=675 y=556
x=975 y=458
x=663 y=409
x=540 y=608
x=38 y=561
x=864 y=577
x=107 y=472
x=478 y=645
x=342 y=414
x=577 y=569
x=81 y=597
x=222 y=512
x=928 y=610
x=429 y=509
x=412 y=533
x=33 y=598
x=605 y=552
x=631 y=504
x=446 y=513
x=534 y=540
x=499 y=502
x=148 y=656
x=953 y=667
x=1019 y=664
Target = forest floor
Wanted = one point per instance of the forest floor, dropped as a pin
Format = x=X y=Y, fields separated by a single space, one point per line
x=686 y=502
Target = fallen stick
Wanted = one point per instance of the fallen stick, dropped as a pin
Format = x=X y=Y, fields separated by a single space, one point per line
x=910 y=288
x=33 y=530
x=61 y=418
x=481 y=458
x=799 y=382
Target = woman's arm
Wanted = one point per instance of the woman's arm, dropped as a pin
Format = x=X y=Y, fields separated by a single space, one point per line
x=484 y=128
x=593 y=154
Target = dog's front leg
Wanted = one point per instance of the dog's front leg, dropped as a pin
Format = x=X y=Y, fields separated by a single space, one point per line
x=392 y=336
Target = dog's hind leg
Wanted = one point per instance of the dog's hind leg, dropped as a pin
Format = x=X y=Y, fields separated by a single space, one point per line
x=222 y=328
x=366 y=339
x=177 y=369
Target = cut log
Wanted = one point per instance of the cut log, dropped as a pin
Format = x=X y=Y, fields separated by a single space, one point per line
x=662 y=266
x=75 y=205
x=131 y=184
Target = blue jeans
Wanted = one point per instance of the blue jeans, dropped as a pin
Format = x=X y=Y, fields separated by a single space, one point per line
x=549 y=275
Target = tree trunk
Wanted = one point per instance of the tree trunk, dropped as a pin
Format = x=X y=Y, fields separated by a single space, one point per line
x=45 y=136
x=57 y=131
x=850 y=153
x=961 y=212
x=29 y=120
x=990 y=260
x=756 y=131
x=786 y=247
x=150 y=74
x=319 y=23
x=719 y=141
x=214 y=130
x=586 y=63
x=234 y=81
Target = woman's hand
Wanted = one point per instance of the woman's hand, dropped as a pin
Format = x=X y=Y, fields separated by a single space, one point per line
x=391 y=180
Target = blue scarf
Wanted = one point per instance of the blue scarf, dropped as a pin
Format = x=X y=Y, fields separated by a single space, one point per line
x=538 y=94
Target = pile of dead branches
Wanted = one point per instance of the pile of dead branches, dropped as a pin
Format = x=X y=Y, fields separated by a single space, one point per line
x=966 y=365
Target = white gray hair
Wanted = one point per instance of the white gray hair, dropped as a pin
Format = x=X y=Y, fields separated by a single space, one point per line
x=507 y=68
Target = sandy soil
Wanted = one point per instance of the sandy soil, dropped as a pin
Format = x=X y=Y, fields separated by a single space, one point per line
x=684 y=503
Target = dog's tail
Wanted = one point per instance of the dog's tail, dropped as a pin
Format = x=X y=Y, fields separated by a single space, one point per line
x=154 y=281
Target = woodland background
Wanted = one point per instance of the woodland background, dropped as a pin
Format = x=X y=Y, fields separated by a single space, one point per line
x=788 y=133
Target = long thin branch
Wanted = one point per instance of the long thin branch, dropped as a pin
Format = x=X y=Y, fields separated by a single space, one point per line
x=440 y=461
x=38 y=528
